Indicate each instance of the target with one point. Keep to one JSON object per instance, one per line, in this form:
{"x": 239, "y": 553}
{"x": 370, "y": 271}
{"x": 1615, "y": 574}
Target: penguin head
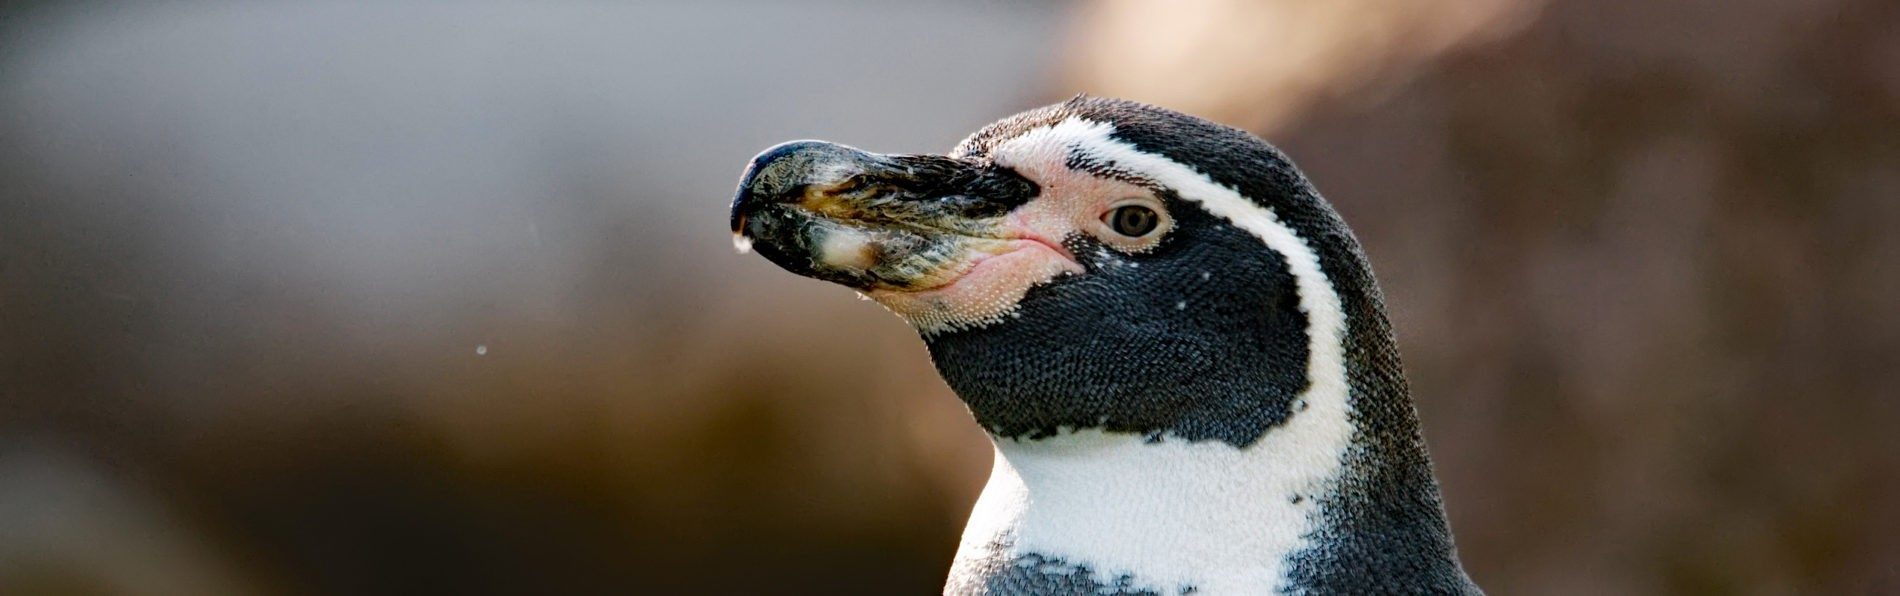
{"x": 1094, "y": 264}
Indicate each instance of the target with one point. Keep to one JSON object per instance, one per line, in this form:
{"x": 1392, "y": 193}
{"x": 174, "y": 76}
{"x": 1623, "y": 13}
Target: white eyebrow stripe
{"x": 1303, "y": 456}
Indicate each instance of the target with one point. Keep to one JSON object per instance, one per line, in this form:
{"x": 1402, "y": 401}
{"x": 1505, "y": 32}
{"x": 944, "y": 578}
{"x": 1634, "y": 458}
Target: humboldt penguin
{"x": 1176, "y": 345}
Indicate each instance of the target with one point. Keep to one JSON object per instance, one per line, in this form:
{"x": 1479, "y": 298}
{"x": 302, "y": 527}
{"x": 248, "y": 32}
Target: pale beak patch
{"x": 988, "y": 290}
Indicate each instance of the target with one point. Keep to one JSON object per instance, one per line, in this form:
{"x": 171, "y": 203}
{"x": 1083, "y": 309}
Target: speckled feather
{"x": 1382, "y": 529}
{"x": 1213, "y": 407}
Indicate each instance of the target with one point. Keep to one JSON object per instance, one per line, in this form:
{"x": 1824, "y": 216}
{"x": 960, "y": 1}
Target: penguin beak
{"x": 874, "y": 222}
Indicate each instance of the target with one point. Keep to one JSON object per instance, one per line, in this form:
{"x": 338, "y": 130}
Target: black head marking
{"x": 1201, "y": 338}
{"x": 1202, "y": 335}
{"x": 1382, "y": 529}
{"x": 1083, "y": 351}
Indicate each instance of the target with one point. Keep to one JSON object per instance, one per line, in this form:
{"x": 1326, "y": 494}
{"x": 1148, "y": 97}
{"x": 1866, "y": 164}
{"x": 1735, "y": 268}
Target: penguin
{"x": 1176, "y": 345}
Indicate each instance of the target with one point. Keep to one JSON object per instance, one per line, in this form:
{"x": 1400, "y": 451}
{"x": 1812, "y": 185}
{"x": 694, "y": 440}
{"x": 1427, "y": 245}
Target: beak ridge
{"x": 781, "y": 173}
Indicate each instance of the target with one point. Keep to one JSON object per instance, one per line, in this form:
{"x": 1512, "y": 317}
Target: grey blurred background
{"x": 399, "y": 297}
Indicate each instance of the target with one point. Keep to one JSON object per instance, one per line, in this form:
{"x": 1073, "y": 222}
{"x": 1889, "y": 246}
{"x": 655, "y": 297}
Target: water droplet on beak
{"x": 741, "y": 243}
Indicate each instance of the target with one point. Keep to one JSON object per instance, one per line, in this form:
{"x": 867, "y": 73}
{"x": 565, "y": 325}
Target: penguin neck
{"x": 1163, "y": 515}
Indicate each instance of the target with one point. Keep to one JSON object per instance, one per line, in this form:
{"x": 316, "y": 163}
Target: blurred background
{"x": 399, "y": 297}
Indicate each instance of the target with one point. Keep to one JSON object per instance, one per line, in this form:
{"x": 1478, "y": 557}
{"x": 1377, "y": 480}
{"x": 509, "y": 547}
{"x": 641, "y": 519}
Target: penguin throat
{"x": 1168, "y": 516}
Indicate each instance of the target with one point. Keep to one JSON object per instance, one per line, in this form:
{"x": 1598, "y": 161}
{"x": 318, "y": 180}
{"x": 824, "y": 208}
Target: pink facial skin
{"x": 995, "y": 279}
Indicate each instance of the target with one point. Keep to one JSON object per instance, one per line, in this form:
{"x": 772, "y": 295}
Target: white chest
{"x": 1171, "y": 515}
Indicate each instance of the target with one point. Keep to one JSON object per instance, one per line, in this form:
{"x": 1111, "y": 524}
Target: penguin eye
{"x": 1132, "y": 224}
{"x": 1133, "y": 221}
